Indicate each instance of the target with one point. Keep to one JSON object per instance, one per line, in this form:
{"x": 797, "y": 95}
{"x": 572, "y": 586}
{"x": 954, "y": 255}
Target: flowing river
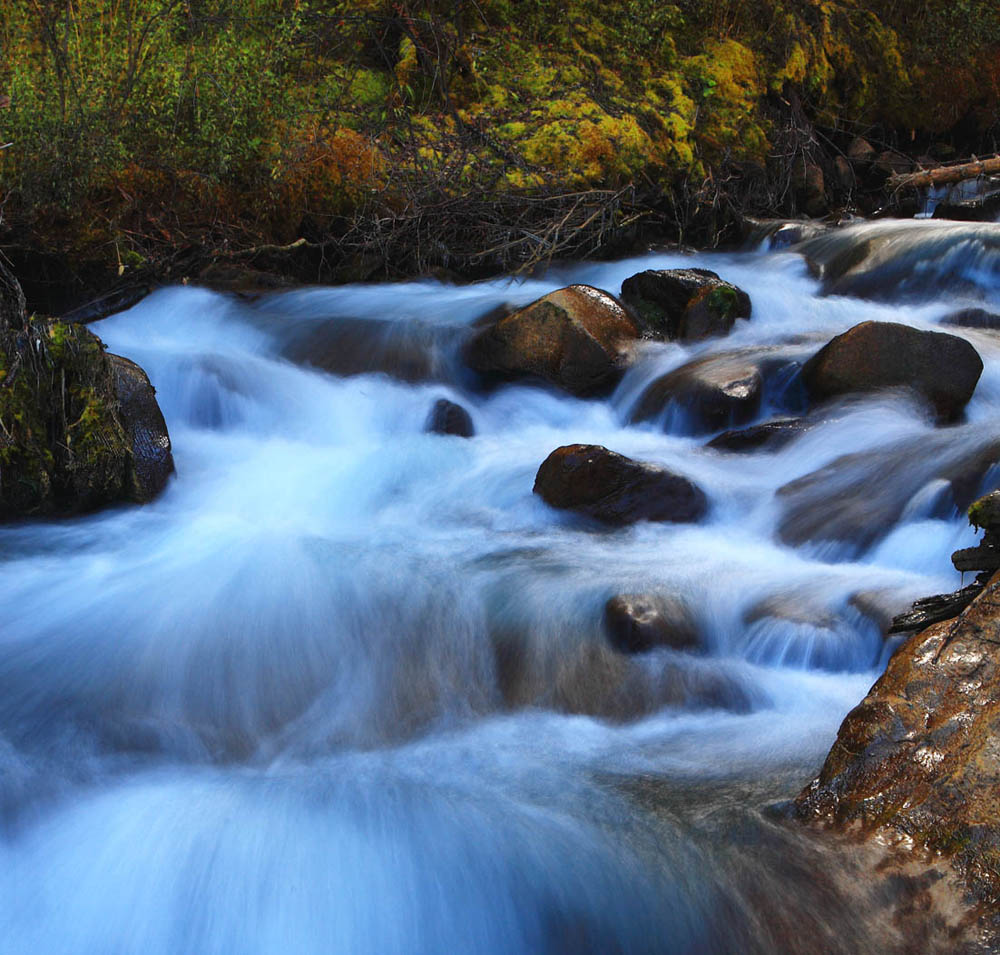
{"x": 345, "y": 687}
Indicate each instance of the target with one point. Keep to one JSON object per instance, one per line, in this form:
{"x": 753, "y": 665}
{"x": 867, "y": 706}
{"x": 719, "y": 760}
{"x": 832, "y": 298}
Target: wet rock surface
{"x": 635, "y": 623}
{"x": 919, "y": 756}
{"x": 614, "y": 489}
{"x": 576, "y": 338}
{"x": 685, "y": 304}
{"x": 942, "y": 368}
{"x": 446, "y": 417}
{"x": 973, "y": 318}
{"x": 858, "y": 498}
{"x": 717, "y": 392}
{"x": 766, "y": 436}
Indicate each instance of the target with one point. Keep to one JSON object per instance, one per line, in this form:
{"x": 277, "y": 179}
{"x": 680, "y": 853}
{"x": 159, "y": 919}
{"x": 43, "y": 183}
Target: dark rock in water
{"x": 81, "y": 429}
{"x": 717, "y": 392}
{"x": 942, "y": 368}
{"x": 592, "y": 480}
{"x": 685, "y": 304}
{"x": 446, "y": 417}
{"x": 918, "y": 758}
{"x": 858, "y": 498}
{"x": 636, "y": 623}
{"x": 150, "y": 463}
{"x": 116, "y": 301}
{"x": 973, "y": 318}
{"x": 576, "y": 338}
{"x": 409, "y": 351}
{"x": 878, "y": 606}
{"x": 931, "y": 610}
{"x": 767, "y": 436}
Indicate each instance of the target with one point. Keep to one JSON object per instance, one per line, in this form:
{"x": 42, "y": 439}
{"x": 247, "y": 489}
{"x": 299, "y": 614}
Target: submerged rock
{"x": 766, "y": 436}
{"x": 973, "y": 318}
{"x": 576, "y": 338}
{"x": 81, "y": 429}
{"x": 685, "y": 304}
{"x": 942, "y": 368}
{"x": 918, "y": 757}
{"x": 636, "y": 623}
{"x": 859, "y": 497}
{"x": 446, "y": 417}
{"x": 612, "y": 488}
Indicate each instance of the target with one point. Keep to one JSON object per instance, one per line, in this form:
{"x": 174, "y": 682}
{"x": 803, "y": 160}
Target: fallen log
{"x": 945, "y": 175}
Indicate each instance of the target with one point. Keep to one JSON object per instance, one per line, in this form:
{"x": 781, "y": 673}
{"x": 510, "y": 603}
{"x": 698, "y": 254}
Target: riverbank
{"x": 389, "y": 140}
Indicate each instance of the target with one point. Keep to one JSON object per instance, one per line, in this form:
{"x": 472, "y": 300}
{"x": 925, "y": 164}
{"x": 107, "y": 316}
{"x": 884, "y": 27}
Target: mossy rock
{"x": 77, "y": 430}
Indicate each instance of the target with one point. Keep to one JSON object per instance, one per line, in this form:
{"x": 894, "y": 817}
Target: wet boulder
{"x": 408, "y": 350}
{"x": 576, "y": 338}
{"x": 766, "y": 436}
{"x": 917, "y": 760}
{"x": 685, "y": 304}
{"x": 614, "y": 489}
{"x": 943, "y": 369}
{"x": 973, "y": 318}
{"x": 717, "y": 392}
{"x": 635, "y": 623}
{"x": 81, "y": 428}
{"x": 446, "y": 417}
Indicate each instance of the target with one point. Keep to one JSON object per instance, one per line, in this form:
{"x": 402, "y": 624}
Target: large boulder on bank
{"x": 612, "y": 488}
{"x": 941, "y": 368}
{"x": 81, "y": 429}
{"x": 576, "y": 338}
{"x": 918, "y": 759}
{"x": 685, "y": 304}
{"x": 635, "y": 623}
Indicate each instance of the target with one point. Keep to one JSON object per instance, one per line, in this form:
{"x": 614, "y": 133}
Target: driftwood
{"x": 935, "y": 609}
{"x": 946, "y": 175}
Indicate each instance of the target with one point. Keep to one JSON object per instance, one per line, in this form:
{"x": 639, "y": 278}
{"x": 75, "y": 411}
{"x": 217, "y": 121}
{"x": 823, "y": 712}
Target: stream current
{"x": 344, "y": 686}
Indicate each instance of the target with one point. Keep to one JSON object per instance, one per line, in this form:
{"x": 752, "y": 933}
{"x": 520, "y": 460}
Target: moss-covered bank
{"x": 397, "y": 135}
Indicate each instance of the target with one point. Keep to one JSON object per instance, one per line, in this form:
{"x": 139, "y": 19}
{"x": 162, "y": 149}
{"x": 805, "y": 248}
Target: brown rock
{"x": 845, "y": 174}
{"x": 685, "y": 304}
{"x": 592, "y": 480}
{"x": 942, "y": 368}
{"x": 919, "y": 756}
{"x": 767, "y": 436}
{"x": 636, "y": 623}
{"x": 861, "y": 153}
{"x": 721, "y": 391}
{"x": 576, "y": 338}
{"x": 810, "y": 189}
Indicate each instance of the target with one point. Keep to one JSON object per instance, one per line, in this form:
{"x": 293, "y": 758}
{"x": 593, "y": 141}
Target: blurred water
{"x": 344, "y": 686}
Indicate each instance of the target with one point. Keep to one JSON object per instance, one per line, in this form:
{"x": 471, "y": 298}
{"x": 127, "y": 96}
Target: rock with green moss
{"x": 79, "y": 429}
{"x": 685, "y": 304}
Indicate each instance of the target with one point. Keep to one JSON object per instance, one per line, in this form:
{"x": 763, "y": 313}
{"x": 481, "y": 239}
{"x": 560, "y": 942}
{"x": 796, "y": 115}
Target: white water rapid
{"x": 344, "y": 687}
